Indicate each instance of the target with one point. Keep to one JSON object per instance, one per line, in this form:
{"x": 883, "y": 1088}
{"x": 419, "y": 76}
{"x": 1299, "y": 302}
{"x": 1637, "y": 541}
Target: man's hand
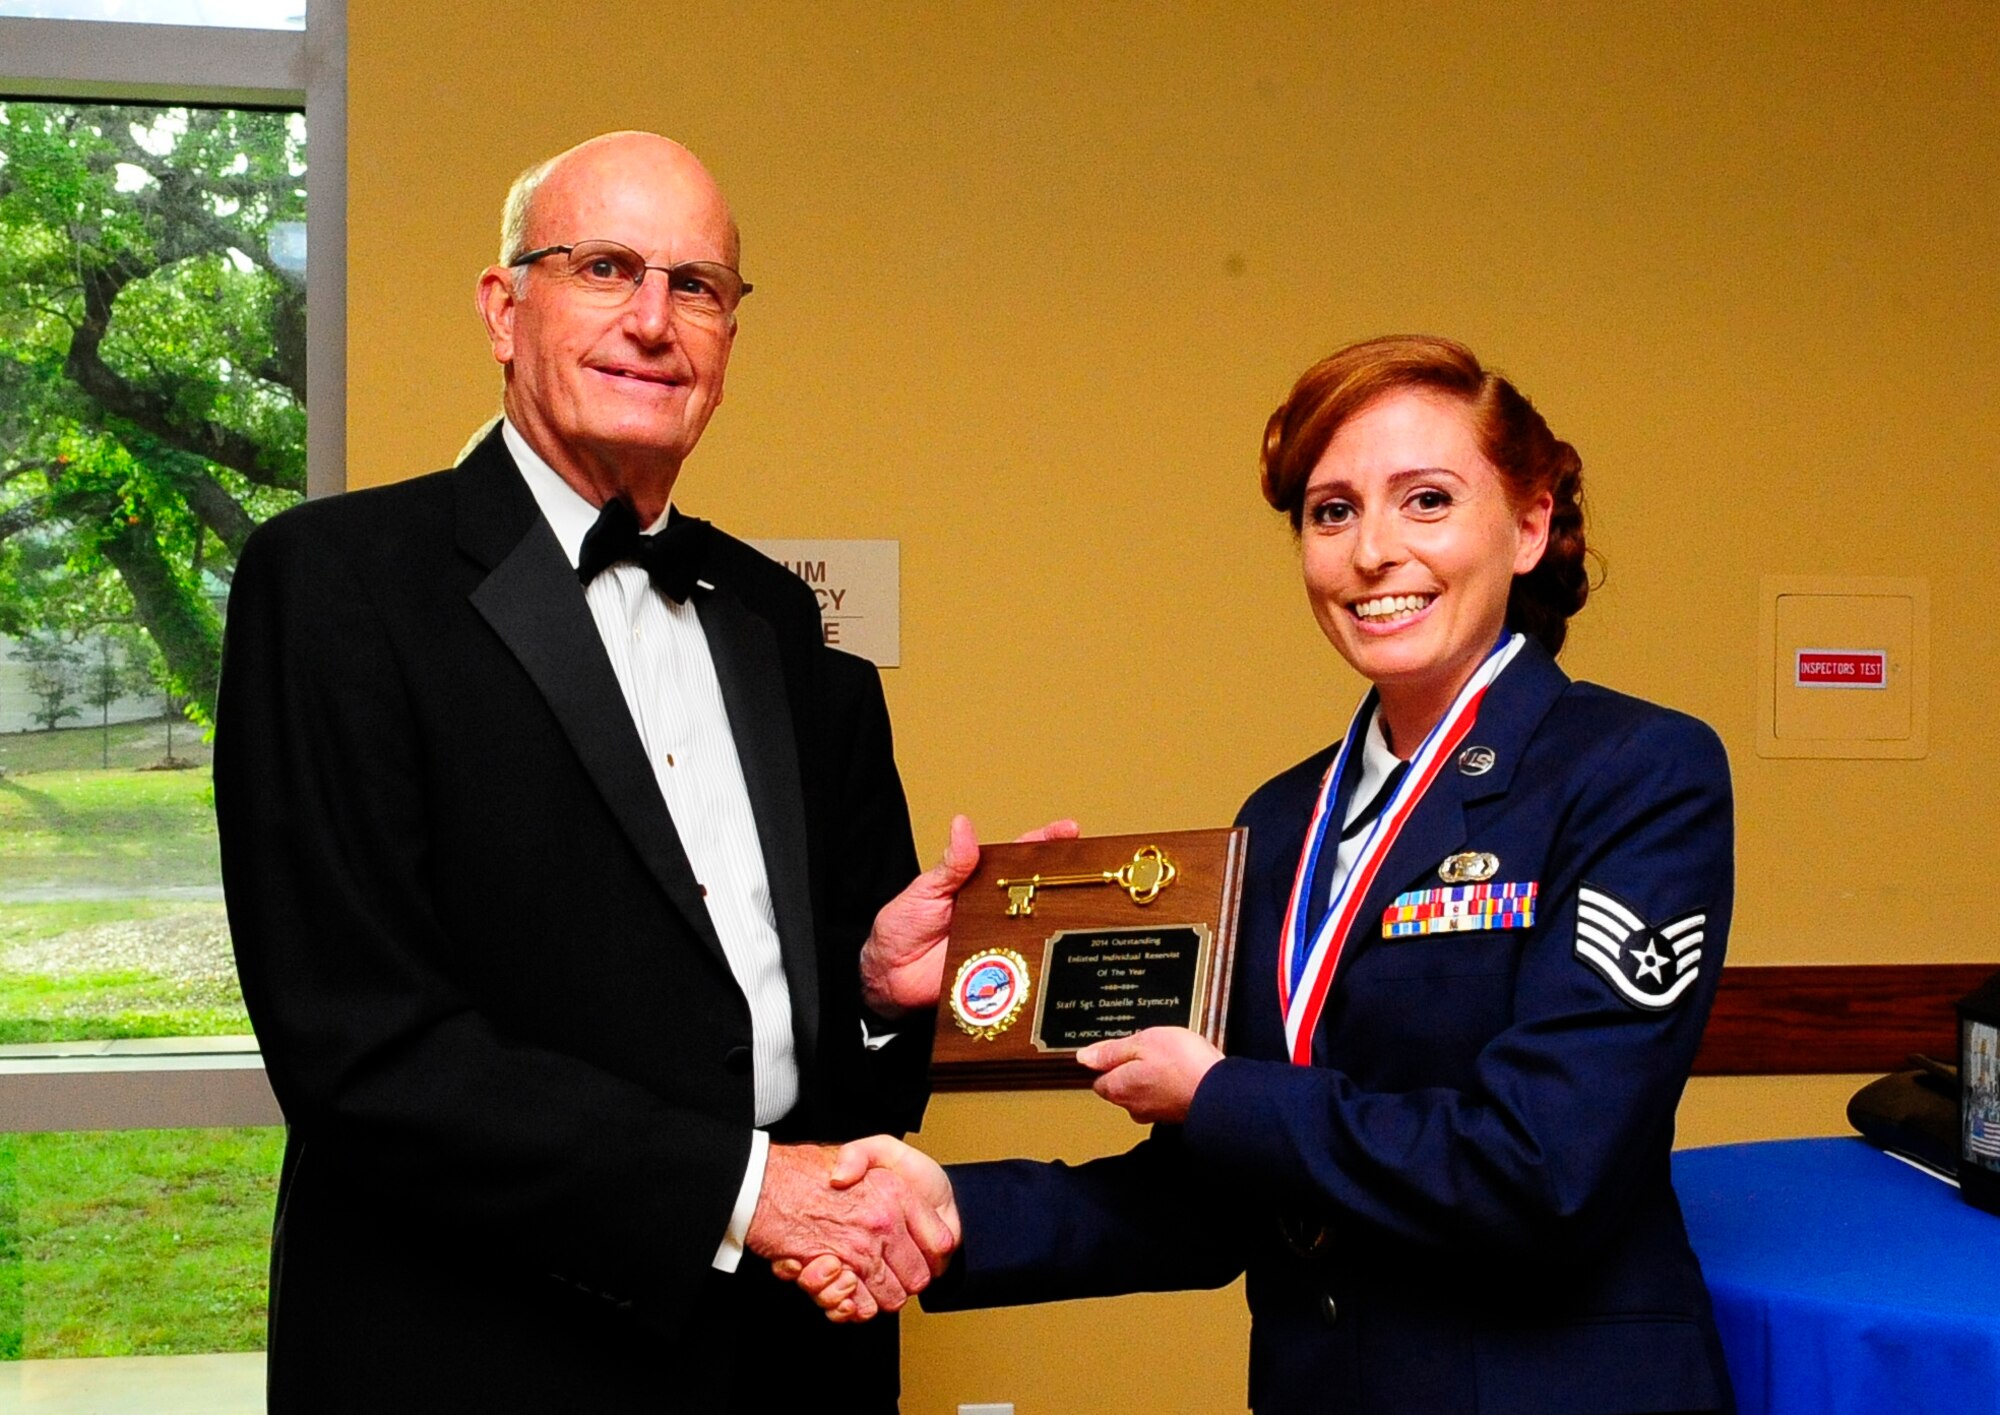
{"x": 1153, "y": 1073}
{"x": 902, "y": 964}
{"x": 892, "y": 1238}
{"x": 826, "y": 1279}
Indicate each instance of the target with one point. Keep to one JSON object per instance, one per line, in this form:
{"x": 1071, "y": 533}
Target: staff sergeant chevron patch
{"x": 1651, "y": 968}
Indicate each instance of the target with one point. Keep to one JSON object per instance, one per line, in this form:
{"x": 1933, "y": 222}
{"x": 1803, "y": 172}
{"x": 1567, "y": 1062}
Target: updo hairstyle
{"x": 1530, "y": 458}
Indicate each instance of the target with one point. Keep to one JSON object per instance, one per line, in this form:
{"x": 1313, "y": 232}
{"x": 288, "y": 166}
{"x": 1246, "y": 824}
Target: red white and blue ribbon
{"x": 1306, "y": 966}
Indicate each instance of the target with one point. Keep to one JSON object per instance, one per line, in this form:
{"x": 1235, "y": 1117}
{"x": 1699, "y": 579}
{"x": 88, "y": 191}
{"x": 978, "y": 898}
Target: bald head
{"x": 638, "y": 155}
{"x": 612, "y": 393}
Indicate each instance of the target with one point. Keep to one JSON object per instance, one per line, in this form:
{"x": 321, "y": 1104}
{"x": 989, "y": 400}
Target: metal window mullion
{"x": 325, "y": 68}
{"x": 105, "y": 59}
{"x": 160, "y": 1094}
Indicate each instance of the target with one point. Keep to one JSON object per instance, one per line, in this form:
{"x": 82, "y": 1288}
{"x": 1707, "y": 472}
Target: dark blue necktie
{"x": 1322, "y": 881}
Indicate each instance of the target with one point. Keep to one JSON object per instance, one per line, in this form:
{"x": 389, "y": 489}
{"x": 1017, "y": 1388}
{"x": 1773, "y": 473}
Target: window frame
{"x": 197, "y": 1082}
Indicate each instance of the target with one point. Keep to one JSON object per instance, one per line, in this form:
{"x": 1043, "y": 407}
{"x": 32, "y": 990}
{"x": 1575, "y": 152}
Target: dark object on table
{"x": 1912, "y": 1113}
{"x": 1979, "y": 1069}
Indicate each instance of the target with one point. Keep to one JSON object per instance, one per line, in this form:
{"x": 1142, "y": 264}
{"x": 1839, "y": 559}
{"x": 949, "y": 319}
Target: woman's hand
{"x": 1152, "y": 1074}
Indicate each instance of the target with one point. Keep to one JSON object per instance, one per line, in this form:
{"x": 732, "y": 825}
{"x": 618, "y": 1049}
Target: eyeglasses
{"x": 608, "y": 274}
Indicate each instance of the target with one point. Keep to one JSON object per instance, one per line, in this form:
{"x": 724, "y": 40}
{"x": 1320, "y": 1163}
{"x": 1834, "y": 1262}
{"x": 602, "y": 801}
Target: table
{"x": 1845, "y": 1282}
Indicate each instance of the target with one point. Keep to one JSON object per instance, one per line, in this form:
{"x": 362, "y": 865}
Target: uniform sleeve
{"x": 383, "y": 1065}
{"x": 1574, "y": 1098}
{"x": 1151, "y": 1220}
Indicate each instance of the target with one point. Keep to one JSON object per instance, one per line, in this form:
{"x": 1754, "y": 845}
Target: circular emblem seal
{"x": 1476, "y": 761}
{"x": 989, "y": 992}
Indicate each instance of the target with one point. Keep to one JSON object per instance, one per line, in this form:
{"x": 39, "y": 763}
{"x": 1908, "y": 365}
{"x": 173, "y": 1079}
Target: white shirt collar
{"x": 567, "y": 513}
{"x": 1377, "y": 752}
{"x": 1377, "y": 761}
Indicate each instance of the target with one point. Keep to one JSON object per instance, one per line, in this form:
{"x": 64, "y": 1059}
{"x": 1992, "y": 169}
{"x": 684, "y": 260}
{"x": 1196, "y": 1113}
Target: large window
{"x": 237, "y": 14}
{"x": 152, "y": 412}
{"x": 160, "y": 342}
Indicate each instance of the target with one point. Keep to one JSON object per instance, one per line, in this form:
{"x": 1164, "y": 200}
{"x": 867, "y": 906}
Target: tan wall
{"x": 1030, "y": 277}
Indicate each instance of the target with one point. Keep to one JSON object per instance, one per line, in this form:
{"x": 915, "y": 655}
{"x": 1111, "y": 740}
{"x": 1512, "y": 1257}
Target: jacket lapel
{"x": 1512, "y": 709}
{"x": 747, "y": 665}
{"x": 533, "y": 602}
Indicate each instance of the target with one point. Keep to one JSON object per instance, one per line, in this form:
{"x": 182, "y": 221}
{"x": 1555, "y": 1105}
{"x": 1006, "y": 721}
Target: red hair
{"x": 1513, "y": 436}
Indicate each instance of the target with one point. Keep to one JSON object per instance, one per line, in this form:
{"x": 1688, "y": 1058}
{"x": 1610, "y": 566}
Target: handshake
{"x": 860, "y": 1229}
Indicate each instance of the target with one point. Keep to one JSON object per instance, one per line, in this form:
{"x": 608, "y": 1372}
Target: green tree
{"x": 55, "y": 671}
{"x": 150, "y": 675}
{"x": 111, "y": 671}
{"x": 152, "y": 366}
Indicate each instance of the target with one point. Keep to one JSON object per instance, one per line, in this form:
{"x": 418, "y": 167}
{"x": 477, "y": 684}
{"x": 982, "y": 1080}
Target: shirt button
{"x": 704, "y": 890}
{"x": 670, "y": 758}
{"x": 1328, "y": 1309}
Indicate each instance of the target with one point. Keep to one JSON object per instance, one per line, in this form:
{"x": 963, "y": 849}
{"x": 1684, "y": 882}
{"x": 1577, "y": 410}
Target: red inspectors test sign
{"x": 1843, "y": 668}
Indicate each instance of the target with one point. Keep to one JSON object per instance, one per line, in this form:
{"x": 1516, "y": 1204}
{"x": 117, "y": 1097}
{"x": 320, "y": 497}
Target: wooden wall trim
{"x": 1835, "y": 1018}
{"x": 1832, "y": 1019}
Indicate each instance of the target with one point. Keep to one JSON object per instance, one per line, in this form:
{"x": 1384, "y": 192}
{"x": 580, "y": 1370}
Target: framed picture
{"x": 1979, "y": 1091}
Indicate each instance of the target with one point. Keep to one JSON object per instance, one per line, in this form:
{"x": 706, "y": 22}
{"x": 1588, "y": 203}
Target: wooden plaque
{"x": 1061, "y": 943}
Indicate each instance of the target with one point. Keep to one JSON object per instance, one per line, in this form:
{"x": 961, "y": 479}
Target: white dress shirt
{"x": 1377, "y": 761}
{"x": 660, "y": 656}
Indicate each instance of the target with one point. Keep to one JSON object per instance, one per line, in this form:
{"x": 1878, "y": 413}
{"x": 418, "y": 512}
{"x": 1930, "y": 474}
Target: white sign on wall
{"x": 859, "y": 587}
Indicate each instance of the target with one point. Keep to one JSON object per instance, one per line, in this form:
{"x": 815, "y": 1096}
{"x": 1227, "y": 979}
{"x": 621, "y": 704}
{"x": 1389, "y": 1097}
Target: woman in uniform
{"x": 1480, "y": 937}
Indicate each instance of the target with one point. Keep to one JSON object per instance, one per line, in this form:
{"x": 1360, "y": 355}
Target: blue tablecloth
{"x": 1845, "y": 1282}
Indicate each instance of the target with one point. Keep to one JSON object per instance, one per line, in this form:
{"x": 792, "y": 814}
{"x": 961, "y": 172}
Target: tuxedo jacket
{"x": 1463, "y": 1204}
{"x": 514, "y": 1063}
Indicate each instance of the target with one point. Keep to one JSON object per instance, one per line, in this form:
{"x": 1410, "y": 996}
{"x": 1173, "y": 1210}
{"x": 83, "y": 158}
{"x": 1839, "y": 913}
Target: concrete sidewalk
{"x": 229, "y": 1383}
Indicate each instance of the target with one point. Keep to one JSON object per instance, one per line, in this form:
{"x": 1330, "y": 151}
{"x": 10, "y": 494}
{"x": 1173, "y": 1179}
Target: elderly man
{"x": 563, "y": 864}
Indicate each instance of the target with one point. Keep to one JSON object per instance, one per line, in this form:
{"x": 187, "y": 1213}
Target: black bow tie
{"x": 672, "y": 558}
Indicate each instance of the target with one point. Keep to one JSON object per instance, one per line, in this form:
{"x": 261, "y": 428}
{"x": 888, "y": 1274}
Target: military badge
{"x": 1469, "y": 867}
{"x": 1466, "y": 908}
{"x": 1650, "y": 967}
{"x": 989, "y": 992}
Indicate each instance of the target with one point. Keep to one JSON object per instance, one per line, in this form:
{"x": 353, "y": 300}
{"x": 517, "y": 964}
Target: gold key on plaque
{"x": 1142, "y": 877}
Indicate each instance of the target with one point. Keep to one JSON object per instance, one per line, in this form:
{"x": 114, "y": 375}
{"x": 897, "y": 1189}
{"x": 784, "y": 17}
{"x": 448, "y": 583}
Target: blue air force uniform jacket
{"x": 1463, "y": 1205}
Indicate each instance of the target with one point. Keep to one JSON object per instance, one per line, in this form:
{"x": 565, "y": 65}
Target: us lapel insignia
{"x": 1469, "y": 867}
{"x": 1651, "y": 968}
{"x": 1464, "y": 908}
{"x": 1477, "y": 761}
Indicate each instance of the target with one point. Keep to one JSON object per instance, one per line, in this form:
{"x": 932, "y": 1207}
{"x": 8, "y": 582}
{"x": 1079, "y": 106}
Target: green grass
{"x": 108, "y": 1006}
{"x": 135, "y": 1243}
{"x": 27, "y": 923}
{"x": 10, "y": 1250}
{"x": 80, "y": 831}
{"x": 36, "y": 1007}
{"x": 133, "y": 745}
